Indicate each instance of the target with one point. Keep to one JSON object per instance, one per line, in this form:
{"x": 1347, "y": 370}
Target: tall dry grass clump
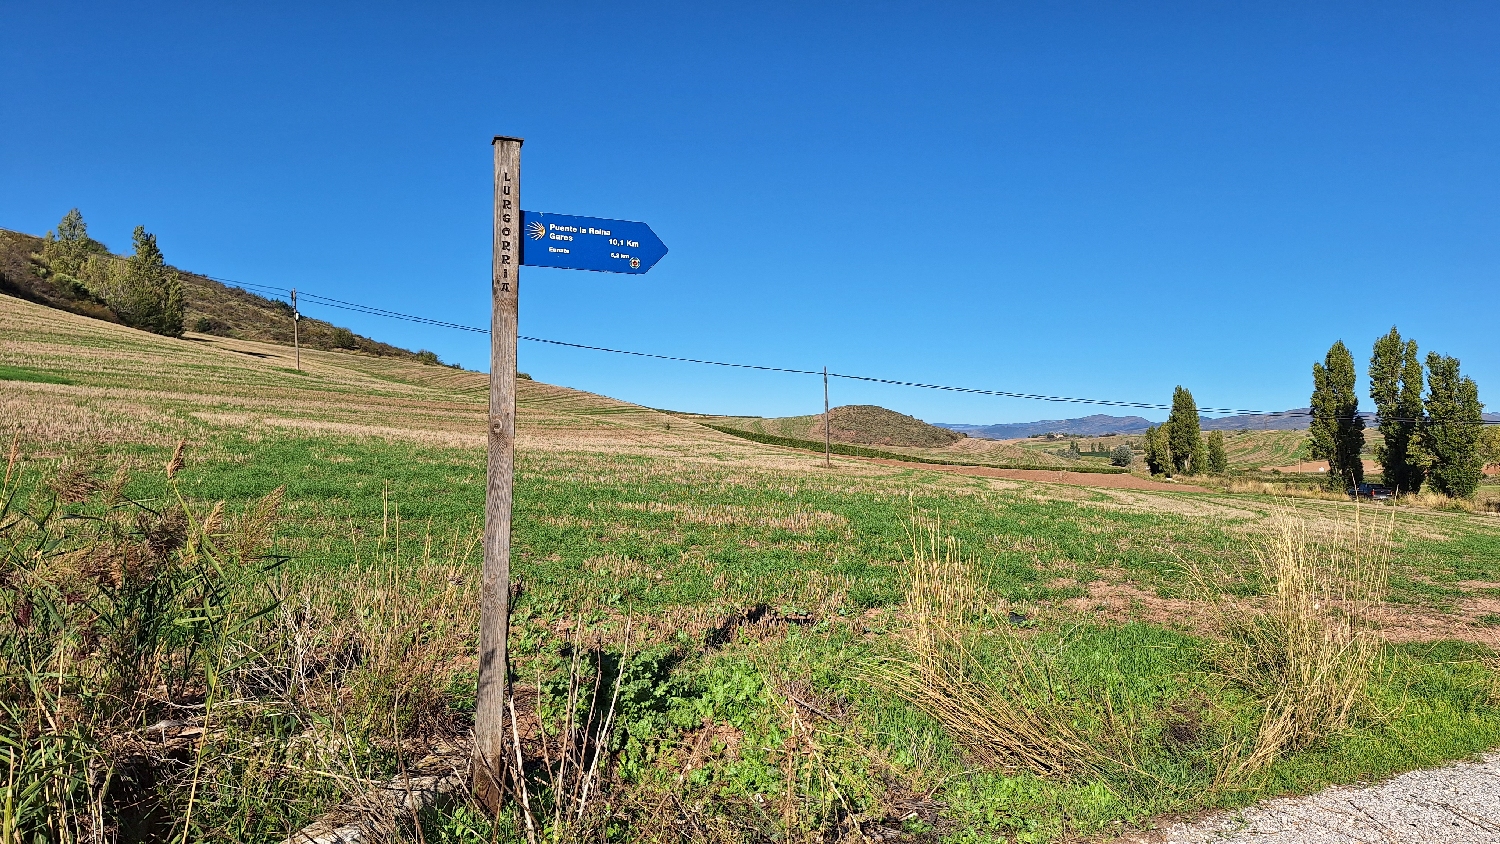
{"x": 1279, "y": 489}
{"x": 1309, "y": 652}
{"x": 159, "y": 681}
{"x": 115, "y": 615}
{"x": 1433, "y": 500}
{"x": 1002, "y": 710}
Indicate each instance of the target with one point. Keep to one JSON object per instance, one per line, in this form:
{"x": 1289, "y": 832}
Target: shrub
{"x": 343, "y": 338}
{"x": 429, "y": 358}
{"x": 1122, "y": 456}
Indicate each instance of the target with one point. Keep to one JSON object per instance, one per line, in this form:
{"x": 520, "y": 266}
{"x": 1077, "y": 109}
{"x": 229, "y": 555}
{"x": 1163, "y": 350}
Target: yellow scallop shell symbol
{"x": 538, "y": 231}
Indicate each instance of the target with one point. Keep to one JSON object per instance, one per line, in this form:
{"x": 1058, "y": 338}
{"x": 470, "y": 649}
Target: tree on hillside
{"x": 1396, "y": 389}
{"x": 1338, "y": 431}
{"x": 1184, "y": 434}
{"x": 67, "y": 254}
{"x": 1218, "y": 461}
{"x": 1450, "y": 436}
{"x": 1158, "y": 451}
{"x": 146, "y": 293}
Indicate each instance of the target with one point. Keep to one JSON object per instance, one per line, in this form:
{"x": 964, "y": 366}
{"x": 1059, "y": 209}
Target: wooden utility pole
{"x": 494, "y": 580}
{"x": 296, "y": 317}
{"x": 827, "y": 440}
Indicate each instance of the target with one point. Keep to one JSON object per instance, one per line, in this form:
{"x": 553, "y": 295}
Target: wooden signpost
{"x": 494, "y": 579}
{"x": 568, "y": 242}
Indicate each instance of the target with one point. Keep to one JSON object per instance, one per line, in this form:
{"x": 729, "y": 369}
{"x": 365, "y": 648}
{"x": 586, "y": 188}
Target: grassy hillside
{"x": 212, "y": 307}
{"x": 893, "y": 433}
{"x": 762, "y": 617}
{"x": 1245, "y": 449}
{"x": 1255, "y": 449}
{"x": 857, "y": 424}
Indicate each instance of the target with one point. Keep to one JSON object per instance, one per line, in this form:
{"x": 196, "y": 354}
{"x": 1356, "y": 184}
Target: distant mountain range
{"x": 1086, "y": 426}
{"x": 1101, "y": 424}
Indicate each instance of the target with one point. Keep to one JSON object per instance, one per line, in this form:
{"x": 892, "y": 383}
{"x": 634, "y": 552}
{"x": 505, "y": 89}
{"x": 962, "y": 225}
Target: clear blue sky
{"x": 1093, "y": 199}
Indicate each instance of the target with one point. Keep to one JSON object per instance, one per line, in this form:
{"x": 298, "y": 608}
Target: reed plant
{"x": 1308, "y": 651}
{"x": 1005, "y": 711}
{"x": 114, "y": 614}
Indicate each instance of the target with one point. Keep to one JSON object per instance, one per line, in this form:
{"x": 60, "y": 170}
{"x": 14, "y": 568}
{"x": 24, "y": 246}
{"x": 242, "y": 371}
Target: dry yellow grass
{"x": 131, "y": 386}
{"x": 1310, "y": 649}
{"x": 1010, "y": 720}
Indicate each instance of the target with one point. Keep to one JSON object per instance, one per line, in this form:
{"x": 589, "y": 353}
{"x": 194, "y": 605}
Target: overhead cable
{"x": 421, "y": 320}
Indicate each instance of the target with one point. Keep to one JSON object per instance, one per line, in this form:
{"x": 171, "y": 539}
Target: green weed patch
{"x": 16, "y": 373}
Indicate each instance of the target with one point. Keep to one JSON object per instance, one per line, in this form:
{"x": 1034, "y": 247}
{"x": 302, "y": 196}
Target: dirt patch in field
{"x": 1127, "y": 602}
{"x": 1120, "y": 601}
{"x": 1098, "y": 479}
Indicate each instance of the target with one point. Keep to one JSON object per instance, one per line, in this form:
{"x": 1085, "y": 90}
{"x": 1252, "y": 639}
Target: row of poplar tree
{"x": 1178, "y": 447}
{"x": 1437, "y": 438}
{"x": 141, "y": 290}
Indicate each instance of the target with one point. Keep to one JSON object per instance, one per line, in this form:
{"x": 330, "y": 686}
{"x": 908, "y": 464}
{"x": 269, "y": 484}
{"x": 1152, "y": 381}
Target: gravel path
{"x": 1459, "y": 804}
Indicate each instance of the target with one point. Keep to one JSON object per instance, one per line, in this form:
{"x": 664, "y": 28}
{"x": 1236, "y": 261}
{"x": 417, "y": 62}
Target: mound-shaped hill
{"x": 212, "y": 307}
{"x": 855, "y": 424}
{"x": 869, "y": 424}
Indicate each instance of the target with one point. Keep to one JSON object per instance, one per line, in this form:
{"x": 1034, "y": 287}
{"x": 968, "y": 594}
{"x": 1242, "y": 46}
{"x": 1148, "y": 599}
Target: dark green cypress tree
{"x": 1396, "y": 388}
{"x": 1338, "y": 431}
{"x": 1218, "y": 461}
{"x": 1451, "y": 434}
{"x": 1184, "y": 434}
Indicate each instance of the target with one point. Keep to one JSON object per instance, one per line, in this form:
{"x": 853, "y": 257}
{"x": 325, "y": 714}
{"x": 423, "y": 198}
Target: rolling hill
{"x": 894, "y": 433}
{"x": 213, "y": 308}
{"x": 857, "y": 424}
{"x": 1101, "y": 425}
{"x": 1097, "y": 425}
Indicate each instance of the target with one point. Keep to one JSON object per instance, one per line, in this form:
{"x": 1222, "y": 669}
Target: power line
{"x": 421, "y": 320}
{"x": 670, "y": 357}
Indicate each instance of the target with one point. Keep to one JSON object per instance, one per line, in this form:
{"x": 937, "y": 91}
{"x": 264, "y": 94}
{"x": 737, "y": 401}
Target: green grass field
{"x": 743, "y": 599}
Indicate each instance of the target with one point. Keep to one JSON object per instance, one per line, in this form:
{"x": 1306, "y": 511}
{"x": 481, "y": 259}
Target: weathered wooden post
{"x": 827, "y": 441}
{"x": 296, "y": 317}
{"x": 494, "y": 582}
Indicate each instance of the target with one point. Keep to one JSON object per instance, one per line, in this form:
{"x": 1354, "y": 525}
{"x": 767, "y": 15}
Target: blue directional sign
{"x": 588, "y": 243}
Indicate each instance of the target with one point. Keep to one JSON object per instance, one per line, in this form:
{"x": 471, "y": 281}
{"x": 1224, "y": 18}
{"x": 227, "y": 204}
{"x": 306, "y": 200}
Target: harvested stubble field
{"x": 742, "y": 623}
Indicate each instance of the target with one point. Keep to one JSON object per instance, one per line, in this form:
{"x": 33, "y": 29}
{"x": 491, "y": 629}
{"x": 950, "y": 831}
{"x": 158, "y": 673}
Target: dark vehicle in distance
{"x": 1374, "y": 492}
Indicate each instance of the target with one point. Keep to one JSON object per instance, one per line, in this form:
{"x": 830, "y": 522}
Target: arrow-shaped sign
{"x": 588, "y": 243}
